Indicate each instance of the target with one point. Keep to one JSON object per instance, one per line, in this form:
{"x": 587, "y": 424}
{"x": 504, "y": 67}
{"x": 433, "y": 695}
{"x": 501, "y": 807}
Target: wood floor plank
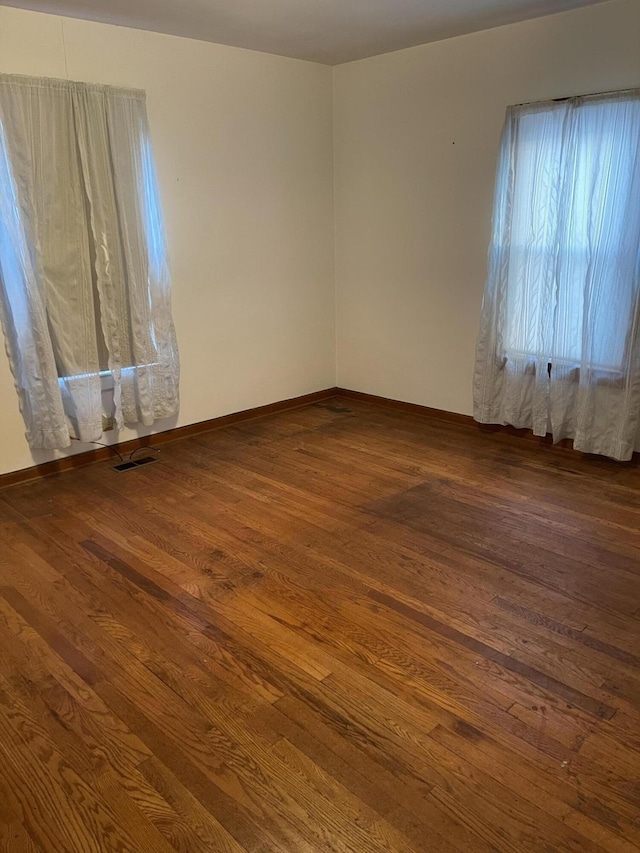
{"x": 60, "y": 811}
{"x": 597, "y": 709}
{"x": 341, "y": 628}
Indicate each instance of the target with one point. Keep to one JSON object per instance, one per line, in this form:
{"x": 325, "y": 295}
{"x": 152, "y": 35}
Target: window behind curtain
{"x": 84, "y": 275}
{"x": 559, "y": 343}
{"x": 557, "y": 249}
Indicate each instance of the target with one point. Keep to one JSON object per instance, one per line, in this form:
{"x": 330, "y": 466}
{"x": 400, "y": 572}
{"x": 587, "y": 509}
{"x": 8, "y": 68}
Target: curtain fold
{"x": 559, "y": 344}
{"x": 83, "y": 261}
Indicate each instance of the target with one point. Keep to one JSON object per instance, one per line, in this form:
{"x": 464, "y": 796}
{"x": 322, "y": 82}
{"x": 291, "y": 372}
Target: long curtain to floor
{"x": 83, "y": 260}
{"x": 559, "y": 344}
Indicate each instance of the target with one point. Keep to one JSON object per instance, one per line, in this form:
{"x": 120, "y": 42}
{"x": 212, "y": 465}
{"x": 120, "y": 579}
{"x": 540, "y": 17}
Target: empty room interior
{"x": 319, "y": 426}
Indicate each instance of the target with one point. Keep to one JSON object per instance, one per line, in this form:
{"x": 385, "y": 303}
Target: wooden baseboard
{"x": 79, "y": 460}
{"x": 399, "y": 405}
{"x": 467, "y": 420}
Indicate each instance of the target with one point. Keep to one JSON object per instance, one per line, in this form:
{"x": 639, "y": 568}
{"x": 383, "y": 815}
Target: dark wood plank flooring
{"x": 341, "y": 628}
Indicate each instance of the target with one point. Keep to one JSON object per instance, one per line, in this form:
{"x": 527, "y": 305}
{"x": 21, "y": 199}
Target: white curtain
{"x": 559, "y": 343}
{"x": 83, "y": 261}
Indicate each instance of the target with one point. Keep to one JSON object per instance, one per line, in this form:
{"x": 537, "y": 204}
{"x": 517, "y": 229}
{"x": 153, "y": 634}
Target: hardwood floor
{"x": 341, "y": 628}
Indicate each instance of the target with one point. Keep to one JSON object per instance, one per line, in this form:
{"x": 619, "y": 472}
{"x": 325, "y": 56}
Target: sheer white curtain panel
{"x": 83, "y": 260}
{"x": 559, "y": 343}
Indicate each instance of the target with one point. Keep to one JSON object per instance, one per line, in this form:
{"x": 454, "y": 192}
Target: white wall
{"x": 243, "y": 142}
{"x": 415, "y": 144}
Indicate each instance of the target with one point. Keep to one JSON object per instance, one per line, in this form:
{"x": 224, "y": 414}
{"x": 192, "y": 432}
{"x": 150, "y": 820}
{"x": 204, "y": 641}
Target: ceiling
{"x": 327, "y": 31}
